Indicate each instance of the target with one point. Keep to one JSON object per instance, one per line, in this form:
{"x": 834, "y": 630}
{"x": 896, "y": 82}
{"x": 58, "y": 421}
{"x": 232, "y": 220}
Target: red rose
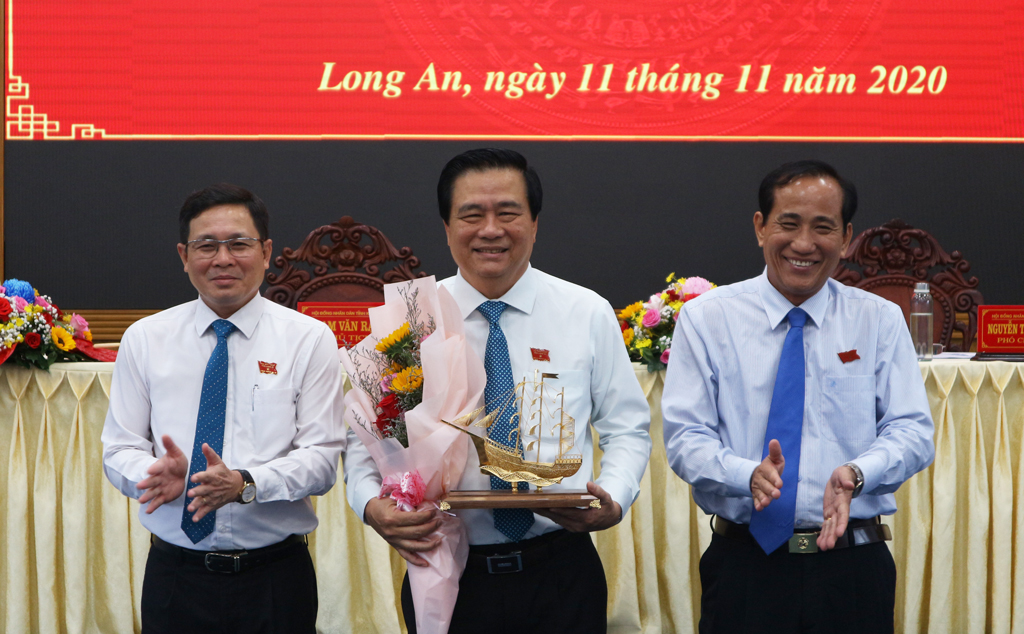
{"x": 389, "y": 406}
{"x": 33, "y": 340}
{"x": 624, "y": 326}
{"x": 673, "y": 295}
{"x": 5, "y": 308}
{"x": 48, "y": 318}
{"x": 389, "y": 410}
{"x": 687, "y": 297}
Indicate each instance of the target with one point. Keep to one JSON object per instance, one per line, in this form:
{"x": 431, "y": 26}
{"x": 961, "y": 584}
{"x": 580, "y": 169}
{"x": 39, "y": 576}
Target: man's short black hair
{"x": 223, "y": 194}
{"x": 786, "y": 174}
{"x": 485, "y": 159}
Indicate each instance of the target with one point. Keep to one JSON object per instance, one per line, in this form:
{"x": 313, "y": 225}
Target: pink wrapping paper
{"x": 453, "y": 385}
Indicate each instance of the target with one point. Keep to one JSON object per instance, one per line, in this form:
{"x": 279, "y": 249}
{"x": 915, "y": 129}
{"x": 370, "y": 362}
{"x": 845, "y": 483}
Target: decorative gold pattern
{"x": 23, "y": 122}
{"x": 595, "y": 504}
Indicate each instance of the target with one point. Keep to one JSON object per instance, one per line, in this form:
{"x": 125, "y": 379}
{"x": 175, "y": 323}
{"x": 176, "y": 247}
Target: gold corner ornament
{"x": 595, "y": 504}
{"x": 444, "y": 506}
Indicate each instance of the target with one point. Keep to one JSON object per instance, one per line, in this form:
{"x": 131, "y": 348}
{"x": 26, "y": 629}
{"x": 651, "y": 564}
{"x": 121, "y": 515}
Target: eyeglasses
{"x": 238, "y": 247}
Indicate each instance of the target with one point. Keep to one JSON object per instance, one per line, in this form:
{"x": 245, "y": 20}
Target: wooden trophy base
{"x": 532, "y": 499}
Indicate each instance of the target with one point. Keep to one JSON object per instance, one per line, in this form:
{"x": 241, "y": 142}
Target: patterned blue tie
{"x": 513, "y": 523}
{"x": 773, "y": 526}
{"x": 209, "y": 426}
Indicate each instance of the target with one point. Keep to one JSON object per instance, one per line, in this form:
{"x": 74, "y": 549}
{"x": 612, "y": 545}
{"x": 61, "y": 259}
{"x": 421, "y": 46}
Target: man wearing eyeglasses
{"x": 225, "y": 416}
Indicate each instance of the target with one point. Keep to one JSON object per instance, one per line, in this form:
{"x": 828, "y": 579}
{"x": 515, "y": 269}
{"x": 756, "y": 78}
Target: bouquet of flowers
{"x": 414, "y": 370}
{"x": 35, "y": 333}
{"x": 647, "y": 326}
{"x": 393, "y": 372}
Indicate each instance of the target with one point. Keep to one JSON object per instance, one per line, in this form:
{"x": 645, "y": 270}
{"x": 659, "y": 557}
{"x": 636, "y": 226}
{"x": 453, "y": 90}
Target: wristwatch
{"x": 248, "y": 492}
{"x": 858, "y": 478}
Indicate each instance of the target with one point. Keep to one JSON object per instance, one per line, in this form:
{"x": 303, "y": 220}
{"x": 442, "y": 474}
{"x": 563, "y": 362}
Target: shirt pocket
{"x": 273, "y": 420}
{"x": 848, "y": 409}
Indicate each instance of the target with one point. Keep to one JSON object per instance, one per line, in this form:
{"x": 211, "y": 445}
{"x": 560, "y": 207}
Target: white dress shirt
{"x": 286, "y": 428}
{"x": 871, "y": 411}
{"x": 579, "y": 330}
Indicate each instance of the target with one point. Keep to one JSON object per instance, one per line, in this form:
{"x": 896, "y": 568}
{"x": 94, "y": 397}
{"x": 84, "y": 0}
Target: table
{"x": 74, "y": 552}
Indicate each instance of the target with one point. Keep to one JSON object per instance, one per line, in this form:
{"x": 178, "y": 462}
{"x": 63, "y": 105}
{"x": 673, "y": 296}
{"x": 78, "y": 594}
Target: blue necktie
{"x": 209, "y": 426}
{"x": 513, "y": 523}
{"x": 773, "y": 526}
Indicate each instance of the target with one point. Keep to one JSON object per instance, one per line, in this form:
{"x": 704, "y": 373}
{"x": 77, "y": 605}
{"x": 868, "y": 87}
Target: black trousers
{"x": 565, "y": 592}
{"x": 277, "y": 597}
{"x": 846, "y": 590}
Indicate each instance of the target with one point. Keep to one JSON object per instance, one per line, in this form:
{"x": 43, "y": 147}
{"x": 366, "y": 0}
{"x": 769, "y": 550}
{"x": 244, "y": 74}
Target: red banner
{"x": 913, "y": 70}
{"x": 349, "y": 321}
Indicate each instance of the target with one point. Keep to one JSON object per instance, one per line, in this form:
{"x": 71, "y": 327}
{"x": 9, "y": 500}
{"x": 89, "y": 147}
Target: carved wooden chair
{"x": 889, "y": 260}
{"x": 349, "y": 262}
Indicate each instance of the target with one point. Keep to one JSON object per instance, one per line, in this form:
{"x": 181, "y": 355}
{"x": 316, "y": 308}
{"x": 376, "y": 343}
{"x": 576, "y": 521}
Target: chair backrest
{"x": 347, "y": 261}
{"x": 889, "y": 260}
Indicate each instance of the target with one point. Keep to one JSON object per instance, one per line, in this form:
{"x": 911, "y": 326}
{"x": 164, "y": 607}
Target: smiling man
{"x": 527, "y": 572}
{"x": 794, "y": 406}
{"x": 225, "y": 416}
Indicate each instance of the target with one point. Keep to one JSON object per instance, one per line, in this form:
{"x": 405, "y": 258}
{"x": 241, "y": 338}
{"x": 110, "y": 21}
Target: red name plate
{"x": 349, "y": 321}
{"x": 866, "y": 70}
{"x": 1001, "y": 329}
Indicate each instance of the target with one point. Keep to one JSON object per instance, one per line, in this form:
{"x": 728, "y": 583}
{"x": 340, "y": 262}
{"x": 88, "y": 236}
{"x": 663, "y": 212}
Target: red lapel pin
{"x": 849, "y": 355}
{"x": 540, "y": 355}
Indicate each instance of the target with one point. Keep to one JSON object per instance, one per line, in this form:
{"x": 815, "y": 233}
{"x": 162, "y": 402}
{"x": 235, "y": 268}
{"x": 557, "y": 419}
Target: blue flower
{"x": 18, "y": 288}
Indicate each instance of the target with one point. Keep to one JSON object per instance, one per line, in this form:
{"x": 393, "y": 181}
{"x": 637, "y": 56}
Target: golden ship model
{"x": 534, "y": 413}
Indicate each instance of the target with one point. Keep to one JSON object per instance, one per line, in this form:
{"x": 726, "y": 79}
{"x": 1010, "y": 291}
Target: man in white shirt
{"x": 225, "y": 416}
{"x": 794, "y": 405}
{"x": 529, "y": 572}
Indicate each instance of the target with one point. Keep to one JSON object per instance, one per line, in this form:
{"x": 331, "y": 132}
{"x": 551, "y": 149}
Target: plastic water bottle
{"x": 921, "y": 331}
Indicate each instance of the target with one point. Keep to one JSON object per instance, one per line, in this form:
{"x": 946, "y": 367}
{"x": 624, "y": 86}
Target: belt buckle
{"x": 504, "y": 564}
{"x": 218, "y": 562}
{"x": 803, "y": 543}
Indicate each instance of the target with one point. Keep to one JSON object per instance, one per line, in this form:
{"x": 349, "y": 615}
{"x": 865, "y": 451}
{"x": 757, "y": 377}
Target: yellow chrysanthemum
{"x": 393, "y": 338}
{"x": 88, "y": 335}
{"x": 671, "y": 276}
{"x": 627, "y": 336}
{"x": 62, "y": 339}
{"x": 645, "y": 343}
{"x": 630, "y": 311}
{"x": 408, "y": 380}
{"x": 676, "y": 305}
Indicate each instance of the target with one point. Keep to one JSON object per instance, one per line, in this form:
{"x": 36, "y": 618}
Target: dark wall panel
{"x": 94, "y": 224}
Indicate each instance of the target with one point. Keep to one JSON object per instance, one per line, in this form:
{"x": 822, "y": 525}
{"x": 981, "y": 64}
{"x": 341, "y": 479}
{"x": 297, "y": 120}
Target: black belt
{"x": 499, "y": 559}
{"x": 232, "y": 561}
{"x": 804, "y": 540}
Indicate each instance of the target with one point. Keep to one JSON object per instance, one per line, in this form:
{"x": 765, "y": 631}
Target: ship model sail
{"x": 537, "y": 412}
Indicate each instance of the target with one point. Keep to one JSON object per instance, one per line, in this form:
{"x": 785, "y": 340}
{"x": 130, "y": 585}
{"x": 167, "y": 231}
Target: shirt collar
{"x": 521, "y": 296}
{"x": 777, "y": 306}
{"x": 245, "y": 318}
